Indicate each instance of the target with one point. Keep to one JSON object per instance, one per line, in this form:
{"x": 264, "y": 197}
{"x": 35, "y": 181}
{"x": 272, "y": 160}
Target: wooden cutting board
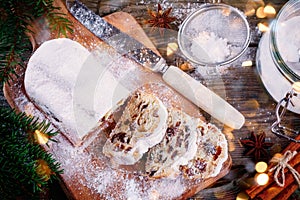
{"x": 86, "y": 175}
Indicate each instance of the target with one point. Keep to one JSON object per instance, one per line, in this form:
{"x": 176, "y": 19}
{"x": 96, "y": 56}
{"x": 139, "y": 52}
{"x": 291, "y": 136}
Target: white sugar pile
{"x": 210, "y": 48}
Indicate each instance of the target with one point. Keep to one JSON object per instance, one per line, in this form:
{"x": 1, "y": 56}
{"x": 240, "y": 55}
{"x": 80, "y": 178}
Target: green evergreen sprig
{"x": 16, "y": 17}
{"x": 25, "y": 167}
{"x": 20, "y": 156}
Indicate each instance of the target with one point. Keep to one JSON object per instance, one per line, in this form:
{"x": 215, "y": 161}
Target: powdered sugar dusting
{"x": 132, "y": 190}
{"x": 88, "y": 173}
{"x": 175, "y": 189}
{"x": 109, "y": 183}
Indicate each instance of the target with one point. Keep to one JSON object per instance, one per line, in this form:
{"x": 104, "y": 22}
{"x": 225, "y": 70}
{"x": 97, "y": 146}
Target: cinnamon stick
{"x": 267, "y": 190}
{"x": 273, "y": 190}
{"x": 288, "y": 191}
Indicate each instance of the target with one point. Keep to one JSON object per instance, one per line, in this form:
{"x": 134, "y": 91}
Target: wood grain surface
{"x": 243, "y": 89}
{"x": 75, "y": 181}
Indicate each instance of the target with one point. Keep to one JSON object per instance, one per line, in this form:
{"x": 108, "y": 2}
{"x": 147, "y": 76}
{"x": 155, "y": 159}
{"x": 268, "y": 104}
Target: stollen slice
{"x": 211, "y": 153}
{"x": 177, "y": 148}
{"x": 191, "y": 147}
{"x": 141, "y": 126}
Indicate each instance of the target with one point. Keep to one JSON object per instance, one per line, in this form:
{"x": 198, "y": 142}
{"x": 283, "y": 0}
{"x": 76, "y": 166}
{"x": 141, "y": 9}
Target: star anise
{"x": 256, "y": 146}
{"x": 160, "y": 19}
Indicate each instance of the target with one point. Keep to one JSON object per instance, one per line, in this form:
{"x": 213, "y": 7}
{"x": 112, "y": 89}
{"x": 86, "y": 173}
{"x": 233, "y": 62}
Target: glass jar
{"x": 278, "y": 55}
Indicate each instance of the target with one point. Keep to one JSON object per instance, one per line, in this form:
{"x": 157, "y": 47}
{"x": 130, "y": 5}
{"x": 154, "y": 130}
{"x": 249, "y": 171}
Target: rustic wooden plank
{"x": 88, "y": 164}
{"x": 244, "y": 89}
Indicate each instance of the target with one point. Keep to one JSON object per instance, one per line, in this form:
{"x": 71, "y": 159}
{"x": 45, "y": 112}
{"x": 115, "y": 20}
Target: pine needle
{"x": 15, "y": 20}
{"x": 20, "y": 155}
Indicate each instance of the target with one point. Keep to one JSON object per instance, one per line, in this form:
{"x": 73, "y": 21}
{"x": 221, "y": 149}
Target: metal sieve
{"x": 215, "y": 34}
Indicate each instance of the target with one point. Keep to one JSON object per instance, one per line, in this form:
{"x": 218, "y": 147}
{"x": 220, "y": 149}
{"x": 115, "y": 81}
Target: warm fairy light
{"x": 260, "y": 12}
{"x": 242, "y": 196}
{"x": 263, "y": 27}
{"x": 40, "y": 137}
{"x": 296, "y": 87}
{"x": 186, "y": 66}
{"x": 171, "y": 48}
{"x": 277, "y": 156}
{"x": 247, "y": 63}
{"x": 43, "y": 169}
{"x": 252, "y": 5}
{"x": 270, "y": 11}
{"x": 262, "y": 179}
{"x": 261, "y": 167}
{"x": 249, "y": 12}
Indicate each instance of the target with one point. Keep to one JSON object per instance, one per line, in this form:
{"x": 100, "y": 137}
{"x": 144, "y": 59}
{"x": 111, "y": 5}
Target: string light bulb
{"x": 40, "y": 137}
{"x": 261, "y": 167}
{"x": 262, "y": 179}
{"x": 269, "y": 11}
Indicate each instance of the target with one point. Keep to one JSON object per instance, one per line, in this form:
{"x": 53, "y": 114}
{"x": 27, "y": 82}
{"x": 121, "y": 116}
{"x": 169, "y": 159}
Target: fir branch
{"x": 15, "y": 20}
{"x": 20, "y": 156}
{"x": 59, "y": 23}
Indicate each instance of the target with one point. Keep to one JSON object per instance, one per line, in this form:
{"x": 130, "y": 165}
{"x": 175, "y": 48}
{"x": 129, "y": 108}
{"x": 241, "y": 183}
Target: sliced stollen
{"x": 191, "y": 147}
{"x": 141, "y": 126}
{"x": 212, "y": 152}
{"x": 177, "y": 148}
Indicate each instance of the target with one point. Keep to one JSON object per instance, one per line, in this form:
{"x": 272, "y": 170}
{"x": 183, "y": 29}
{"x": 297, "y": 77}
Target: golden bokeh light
{"x": 261, "y": 167}
{"x": 247, "y": 63}
{"x": 228, "y": 132}
{"x": 251, "y": 6}
{"x": 186, "y": 66}
{"x": 254, "y": 4}
{"x": 270, "y": 11}
{"x": 278, "y": 156}
{"x": 43, "y": 169}
{"x": 263, "y": 27}
{"x": 296, "y": 86}
{"x": 262, "y": 179}
{"x": 242, "y": 196}
{"x": 172, "y": 48}
{"x": 260, "y": 12}
{"x": 40, "y": 137}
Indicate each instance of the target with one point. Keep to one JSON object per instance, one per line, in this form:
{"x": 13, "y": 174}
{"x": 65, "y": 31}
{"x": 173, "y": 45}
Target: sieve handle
{"x": 203, "y": 97}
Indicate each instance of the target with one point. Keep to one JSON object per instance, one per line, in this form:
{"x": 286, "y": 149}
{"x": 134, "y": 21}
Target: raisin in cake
{"x": 211, "y": 153}
{"x": 190, "y": 147}
{"x": 177, "y": 147}
{"x": 141, "y": 126}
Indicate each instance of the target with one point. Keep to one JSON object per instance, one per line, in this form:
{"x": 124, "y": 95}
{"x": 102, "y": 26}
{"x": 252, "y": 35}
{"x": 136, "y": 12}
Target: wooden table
{"x": 243, "y": 89}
